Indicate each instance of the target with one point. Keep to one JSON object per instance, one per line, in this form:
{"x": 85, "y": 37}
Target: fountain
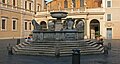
{"x": 59, "y": 33}
{"x": 58, "y": 41}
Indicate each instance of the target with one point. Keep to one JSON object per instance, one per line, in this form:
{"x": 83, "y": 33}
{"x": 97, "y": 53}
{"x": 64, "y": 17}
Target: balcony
{"x": 73, "y": 11}
{"x": 95, "y": 10}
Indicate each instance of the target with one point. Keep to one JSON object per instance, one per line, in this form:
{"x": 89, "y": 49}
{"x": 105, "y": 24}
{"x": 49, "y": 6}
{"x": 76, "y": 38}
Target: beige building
{"x": 103, "y": 20}
{"x": 16, "y": 16}
{"x": 111, "y": 19}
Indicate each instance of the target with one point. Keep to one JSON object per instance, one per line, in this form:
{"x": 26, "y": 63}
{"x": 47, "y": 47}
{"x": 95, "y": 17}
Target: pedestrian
{"x": 9, "y": 49}
{"x": 105, "y": 49}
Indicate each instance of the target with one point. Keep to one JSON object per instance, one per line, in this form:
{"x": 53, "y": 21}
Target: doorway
{"x": 109, "y": 33}
{"x": 94, "y": 28}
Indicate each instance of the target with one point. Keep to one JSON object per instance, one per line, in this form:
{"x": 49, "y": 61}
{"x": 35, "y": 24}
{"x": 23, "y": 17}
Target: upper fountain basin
{"x": 58, "y": 14}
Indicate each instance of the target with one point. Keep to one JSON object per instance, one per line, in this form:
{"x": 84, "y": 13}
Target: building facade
{"x": 75, "y": 4}
{"x": 111, "y": 19}
{"x": 16, "y": 16}
{"x": 100, "y": 17}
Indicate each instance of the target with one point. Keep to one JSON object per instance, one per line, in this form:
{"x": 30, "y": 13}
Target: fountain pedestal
{"x": 58, "y": 25}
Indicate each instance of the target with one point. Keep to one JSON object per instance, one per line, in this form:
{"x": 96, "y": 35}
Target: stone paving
{"x": 112, "y": 58}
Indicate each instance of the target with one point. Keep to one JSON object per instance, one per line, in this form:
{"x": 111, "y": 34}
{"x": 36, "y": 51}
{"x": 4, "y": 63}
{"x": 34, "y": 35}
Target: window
{"x": 25, "y": 4}
{"x": 3, "y": 1}
{"x": 29, "y": 26}
{"x": 73, "y": 3}
{"x": 3, "y": 24}
{"x": 38, "y": 8}
{"x": 14, "y": 2}
{"x": 14, "y": 25}
{"x": 108, "y": 3}
{"x": 65, "y": 4}
{"x": 108, "y": 17}
{"x": 25, "y": 25}
{"x": 30, "y": 6}
{"x": 81, "y": 3}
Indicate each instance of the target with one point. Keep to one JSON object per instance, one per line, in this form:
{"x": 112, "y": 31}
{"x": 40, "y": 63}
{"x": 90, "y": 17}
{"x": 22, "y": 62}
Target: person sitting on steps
{"x": 100, "y": 41}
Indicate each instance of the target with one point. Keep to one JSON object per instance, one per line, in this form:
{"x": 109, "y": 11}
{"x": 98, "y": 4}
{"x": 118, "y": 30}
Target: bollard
{"x": 18, "y": 41}
{"x": 76, "y": 56}
{"x": 105, "y": 50}
{"x": 9, "y": 48}
{"x": 109, "y": 46}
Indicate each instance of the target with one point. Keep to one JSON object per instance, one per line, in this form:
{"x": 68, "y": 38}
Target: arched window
{"x": 43, "y": 24}
{"x": 65, "y": 4}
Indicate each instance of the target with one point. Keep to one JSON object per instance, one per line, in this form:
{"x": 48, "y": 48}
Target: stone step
{"x": 57, "y": 46}
{"x": 92, "y": 43}
{"x": 65, "y": 48}
{"x": 52, "y": 49}
{"x": 62, "y": 41}
{"x": 53, "y": 53}
{"x": 34, "y": 53}
{"x": 56, "y": 43}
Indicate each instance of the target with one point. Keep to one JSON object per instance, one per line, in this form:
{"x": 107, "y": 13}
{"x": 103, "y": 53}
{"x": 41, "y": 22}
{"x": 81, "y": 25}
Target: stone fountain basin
{"x": 58, "y": 14}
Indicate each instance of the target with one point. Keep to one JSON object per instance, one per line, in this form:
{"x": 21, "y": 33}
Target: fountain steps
{"x": 44, "y": 46}
{"x": 52, "y": 47}
{"x": 49, "y": 49}
{"x": 66, "y": 53}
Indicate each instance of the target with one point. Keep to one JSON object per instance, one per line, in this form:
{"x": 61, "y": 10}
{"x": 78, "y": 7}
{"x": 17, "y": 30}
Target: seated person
{"x": 28, "y": 40}
{"x": 100, "y": 41}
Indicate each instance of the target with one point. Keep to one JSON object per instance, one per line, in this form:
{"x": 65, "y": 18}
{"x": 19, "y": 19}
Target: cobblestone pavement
{"x": 112, "y": 58}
